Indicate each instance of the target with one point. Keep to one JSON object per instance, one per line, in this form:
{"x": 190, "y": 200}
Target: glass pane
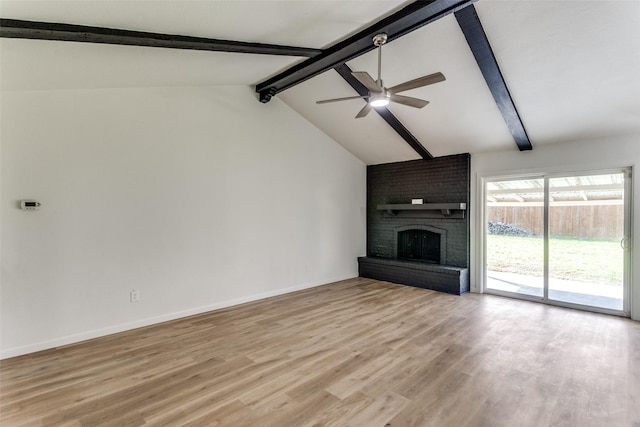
{"x": 515, "y": 236}
{"x": 586, "y": 226}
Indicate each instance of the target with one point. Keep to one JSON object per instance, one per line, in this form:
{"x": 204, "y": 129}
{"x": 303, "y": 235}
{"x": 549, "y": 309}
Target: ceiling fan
{"x": 380, "y": 96}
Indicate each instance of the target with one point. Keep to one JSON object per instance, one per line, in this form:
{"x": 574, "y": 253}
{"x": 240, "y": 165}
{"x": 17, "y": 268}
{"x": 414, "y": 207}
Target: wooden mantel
{"x": 444, "y": 208}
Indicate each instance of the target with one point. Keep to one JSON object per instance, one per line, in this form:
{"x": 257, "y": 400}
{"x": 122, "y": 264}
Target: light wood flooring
{"x": 354, "y": 353}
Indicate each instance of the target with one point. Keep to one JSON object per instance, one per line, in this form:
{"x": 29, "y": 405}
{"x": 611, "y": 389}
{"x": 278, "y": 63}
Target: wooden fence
{"x": 601, "y": 222}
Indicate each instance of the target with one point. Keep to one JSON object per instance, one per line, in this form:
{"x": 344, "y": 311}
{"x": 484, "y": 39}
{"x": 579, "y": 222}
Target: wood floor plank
{"x": 357, "y": 352}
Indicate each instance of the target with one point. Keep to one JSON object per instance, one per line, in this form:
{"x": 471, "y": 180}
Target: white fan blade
{"x": 364, "y": 78}
{"x": 365, "y": 110}
{"x": 407, "y": 100}
{"x": 325, "y": 101}
{"x": 419, "y": 82}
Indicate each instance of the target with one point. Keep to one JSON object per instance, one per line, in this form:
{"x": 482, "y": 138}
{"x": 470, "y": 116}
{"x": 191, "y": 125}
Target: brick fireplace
{"x": 427, "y": 244}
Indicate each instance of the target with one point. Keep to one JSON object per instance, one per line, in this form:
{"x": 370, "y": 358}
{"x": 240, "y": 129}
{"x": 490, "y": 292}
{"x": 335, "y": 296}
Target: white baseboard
{"x": 96, "y": 333}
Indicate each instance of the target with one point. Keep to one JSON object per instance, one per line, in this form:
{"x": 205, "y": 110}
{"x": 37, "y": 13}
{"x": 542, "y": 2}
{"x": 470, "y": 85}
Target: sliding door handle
{"x": 624, "y": 244}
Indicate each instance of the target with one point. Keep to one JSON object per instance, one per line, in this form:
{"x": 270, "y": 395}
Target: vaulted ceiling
{"x": 571, "y": 67}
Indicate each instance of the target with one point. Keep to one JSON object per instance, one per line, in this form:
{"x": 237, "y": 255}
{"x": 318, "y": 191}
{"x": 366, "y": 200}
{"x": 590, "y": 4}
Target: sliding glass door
{"x": 515, "y": 236}
{"x": 559, "y": 239}
{"x": 586, "y": 240}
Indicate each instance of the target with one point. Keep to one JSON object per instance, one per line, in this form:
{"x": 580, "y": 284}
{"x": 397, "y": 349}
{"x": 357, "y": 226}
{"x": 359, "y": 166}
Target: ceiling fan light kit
{"x": 380, "y": 100}
{"x": 379, "y": 95}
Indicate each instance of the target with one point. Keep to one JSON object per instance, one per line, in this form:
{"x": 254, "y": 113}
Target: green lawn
{"x": 588, "y": 261}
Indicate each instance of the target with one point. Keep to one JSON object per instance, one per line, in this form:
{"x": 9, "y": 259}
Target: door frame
{"x": 482, "y": 182}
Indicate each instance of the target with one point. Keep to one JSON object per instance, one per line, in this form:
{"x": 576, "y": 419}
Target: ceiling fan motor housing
{"x": 380, "y": 99}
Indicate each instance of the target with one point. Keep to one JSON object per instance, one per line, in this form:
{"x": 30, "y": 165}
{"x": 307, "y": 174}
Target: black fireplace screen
{"x": 419, "y": 245}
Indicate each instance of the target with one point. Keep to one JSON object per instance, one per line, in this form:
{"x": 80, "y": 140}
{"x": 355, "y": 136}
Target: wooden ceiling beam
{"x": 15, "y": 28}
{"x": 477, "y": 40}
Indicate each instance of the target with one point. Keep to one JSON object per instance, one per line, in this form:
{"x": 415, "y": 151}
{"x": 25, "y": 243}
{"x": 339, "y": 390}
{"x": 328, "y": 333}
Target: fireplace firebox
{"x": 419, "y": 245}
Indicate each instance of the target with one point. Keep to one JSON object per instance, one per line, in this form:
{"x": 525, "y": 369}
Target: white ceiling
{"x": 572, "y": 67}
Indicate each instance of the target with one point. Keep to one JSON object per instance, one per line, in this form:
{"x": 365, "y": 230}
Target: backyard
{"x": 590, "y": 261}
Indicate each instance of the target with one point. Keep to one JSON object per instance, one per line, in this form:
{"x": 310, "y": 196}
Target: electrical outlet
{"x": 135, "y": 296}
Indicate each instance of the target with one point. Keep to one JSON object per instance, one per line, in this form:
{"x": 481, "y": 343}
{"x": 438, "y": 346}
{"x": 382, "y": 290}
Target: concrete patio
{"x": 590, "y": 294}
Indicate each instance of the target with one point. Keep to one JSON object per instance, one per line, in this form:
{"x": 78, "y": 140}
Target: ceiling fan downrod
{"x": 379, "y": 40}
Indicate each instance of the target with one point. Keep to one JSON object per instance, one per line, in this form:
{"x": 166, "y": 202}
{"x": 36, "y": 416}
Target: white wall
{"x": 198, "y": 198}
{"x": 578, "y": 156}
